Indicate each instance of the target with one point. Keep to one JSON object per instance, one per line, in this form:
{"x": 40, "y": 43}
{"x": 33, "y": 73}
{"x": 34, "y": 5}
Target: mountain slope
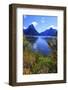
{"x": 49, "y": 32}
{"x": 30, "y": 30}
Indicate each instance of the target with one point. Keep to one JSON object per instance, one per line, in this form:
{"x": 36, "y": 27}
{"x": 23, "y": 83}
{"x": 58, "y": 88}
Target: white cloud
{"x": 35, "y": 23}
{"x": 25, "y": 27}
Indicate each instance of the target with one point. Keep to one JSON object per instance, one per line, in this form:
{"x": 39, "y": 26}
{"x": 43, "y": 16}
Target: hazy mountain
{"x": 32, "y": 31}
{"x": 49, "y": 32}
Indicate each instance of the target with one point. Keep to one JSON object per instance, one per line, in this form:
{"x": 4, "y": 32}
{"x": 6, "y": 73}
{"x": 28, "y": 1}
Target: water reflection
{"x": 41, "y": 44}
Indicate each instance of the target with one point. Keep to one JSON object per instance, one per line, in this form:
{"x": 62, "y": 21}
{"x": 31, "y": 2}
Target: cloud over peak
{"x": 35, "y": 23}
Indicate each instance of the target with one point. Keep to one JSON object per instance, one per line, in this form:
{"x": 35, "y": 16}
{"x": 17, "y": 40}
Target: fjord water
{"x": 40, "y": 44}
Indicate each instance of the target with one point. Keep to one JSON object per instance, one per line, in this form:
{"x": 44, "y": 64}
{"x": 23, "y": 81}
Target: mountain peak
{"x": 51, "y": 28}
{"x": 30, "y": 30}
{"x": 31, "y": 26}
{"x": 49, "y": 32}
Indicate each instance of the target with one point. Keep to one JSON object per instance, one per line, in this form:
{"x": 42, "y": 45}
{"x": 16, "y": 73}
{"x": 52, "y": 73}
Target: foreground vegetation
{"x": 36, "y": 63}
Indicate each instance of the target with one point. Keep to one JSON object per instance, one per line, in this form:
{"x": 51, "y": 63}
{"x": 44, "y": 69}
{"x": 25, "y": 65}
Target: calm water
{"x": 40, "y": 44}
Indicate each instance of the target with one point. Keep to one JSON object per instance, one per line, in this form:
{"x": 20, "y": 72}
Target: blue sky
{"x": 41, "y": 23}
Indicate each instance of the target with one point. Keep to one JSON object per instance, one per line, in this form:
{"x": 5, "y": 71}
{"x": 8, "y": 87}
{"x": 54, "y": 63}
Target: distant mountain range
{"x": 32, "y": 31}
{"x": 49, "y": 32}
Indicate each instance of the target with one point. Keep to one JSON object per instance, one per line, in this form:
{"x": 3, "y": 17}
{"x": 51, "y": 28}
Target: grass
{"x": 36, "y": 63}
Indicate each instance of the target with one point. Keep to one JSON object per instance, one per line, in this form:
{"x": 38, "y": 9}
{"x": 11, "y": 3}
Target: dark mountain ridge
{"x": 49, "y": 32}
{"x": 33, "y": 32}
